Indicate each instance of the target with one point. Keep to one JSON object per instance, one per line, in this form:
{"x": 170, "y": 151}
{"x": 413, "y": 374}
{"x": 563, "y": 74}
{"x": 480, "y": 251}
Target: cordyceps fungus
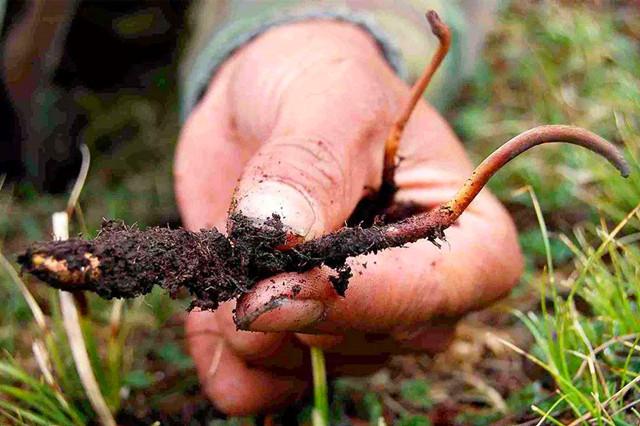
{"x": 124, "y": 261}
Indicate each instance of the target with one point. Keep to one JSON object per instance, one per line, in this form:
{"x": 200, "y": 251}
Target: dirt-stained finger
{"x": 209, "y": 159}
{"x": 321, "y": 114}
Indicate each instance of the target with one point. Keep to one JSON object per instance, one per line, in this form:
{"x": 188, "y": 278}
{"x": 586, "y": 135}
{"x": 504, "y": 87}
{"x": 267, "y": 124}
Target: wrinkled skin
{"x": 294, "y": 123}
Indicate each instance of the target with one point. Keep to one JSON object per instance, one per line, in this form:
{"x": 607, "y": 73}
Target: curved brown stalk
{"x": 441, "y": 30}
{"x": 524, "y": 141}
{"x": 418, "y": 226}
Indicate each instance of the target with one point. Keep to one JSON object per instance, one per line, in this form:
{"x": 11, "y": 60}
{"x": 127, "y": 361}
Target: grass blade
{"x": 71, "y": 322}
{"x": 320, "y": 393}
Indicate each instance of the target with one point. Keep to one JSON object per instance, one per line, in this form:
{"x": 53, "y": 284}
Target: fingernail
{"x": 296, "y": 210}
{"x": 282, "y": 314}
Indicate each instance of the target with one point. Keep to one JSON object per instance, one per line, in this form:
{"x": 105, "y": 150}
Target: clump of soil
{"x": 128, "y": 261}
{"x": 132, "y": 261}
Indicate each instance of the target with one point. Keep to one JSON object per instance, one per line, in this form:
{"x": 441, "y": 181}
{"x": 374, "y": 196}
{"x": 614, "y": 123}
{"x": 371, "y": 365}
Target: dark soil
{"x": 133, "y": 261}
{"x": 212, "y": 267}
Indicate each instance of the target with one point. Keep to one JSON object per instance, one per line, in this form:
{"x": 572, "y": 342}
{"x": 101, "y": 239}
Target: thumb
{"x": 325, "y": 145}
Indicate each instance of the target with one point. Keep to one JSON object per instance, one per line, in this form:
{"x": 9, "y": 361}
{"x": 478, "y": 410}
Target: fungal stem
{"x": 523, "y": 142}
{"x": 441, "y": 30}
{"x": 424, "y": 225}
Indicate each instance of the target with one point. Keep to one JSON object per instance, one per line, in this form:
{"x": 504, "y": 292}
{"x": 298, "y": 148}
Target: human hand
{"x": 294, "y": 124}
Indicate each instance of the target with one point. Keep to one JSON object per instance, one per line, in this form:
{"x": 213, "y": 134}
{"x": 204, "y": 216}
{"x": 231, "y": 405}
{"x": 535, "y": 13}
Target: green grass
{"x": 578, "y": 66}
{"x": 320, "y": 414}
{"x": 587, "y": 339}
{"x": 105, "y": 343}
{"x": 613, "y": 197}
{"x": 108, "y": 330}
{"x": 32, "y": 401}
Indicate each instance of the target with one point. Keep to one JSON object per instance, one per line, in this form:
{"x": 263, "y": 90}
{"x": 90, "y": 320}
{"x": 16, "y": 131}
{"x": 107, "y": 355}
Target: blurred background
{"x": 561, "y": 349}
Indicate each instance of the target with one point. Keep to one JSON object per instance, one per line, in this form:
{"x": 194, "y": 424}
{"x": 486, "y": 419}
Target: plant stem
{"x": 320, "y": 393}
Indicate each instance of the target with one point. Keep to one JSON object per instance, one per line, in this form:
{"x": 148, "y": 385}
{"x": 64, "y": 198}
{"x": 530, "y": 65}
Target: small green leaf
{"x": 138, "y": 379}
{"x": 173, "y": 354}
{"x": 416, "y": 392}
{"x": 373, "y": 406}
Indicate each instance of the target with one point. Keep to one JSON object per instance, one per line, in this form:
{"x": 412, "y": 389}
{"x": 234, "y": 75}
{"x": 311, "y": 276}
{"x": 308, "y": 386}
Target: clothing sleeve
{"x": 399, "y": 27}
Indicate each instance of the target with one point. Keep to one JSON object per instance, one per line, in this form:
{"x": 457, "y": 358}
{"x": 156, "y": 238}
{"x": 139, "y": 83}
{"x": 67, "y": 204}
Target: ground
{"x": 560, "y": 349}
